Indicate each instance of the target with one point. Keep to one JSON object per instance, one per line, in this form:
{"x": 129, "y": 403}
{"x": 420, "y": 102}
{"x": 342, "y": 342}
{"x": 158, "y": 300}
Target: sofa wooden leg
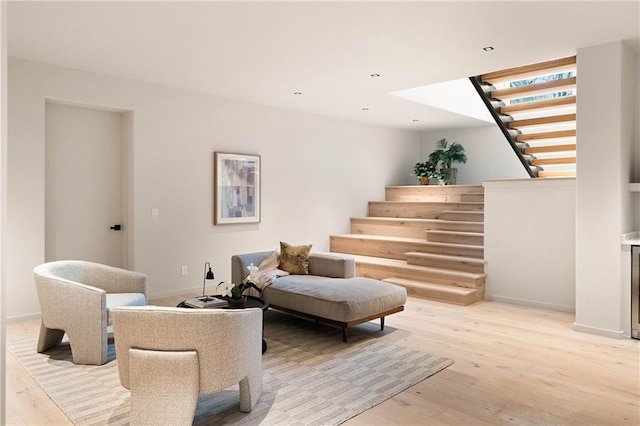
{"x": 381, "y": 323}
{"x": 344, "y": 334}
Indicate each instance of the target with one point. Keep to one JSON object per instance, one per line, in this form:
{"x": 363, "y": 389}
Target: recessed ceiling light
{"x": 487, "y": 48}
{"x": 375, "y": 75}
{"x": 297, "y": 93}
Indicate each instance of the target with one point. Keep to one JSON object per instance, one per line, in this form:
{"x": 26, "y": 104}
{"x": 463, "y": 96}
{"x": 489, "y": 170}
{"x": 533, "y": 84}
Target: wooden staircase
{"x": 535, "y": 107}
{"x": 428, "y": 239}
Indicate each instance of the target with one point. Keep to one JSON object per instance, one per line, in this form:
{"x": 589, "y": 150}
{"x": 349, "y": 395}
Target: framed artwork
{"x": 236, "y": 188}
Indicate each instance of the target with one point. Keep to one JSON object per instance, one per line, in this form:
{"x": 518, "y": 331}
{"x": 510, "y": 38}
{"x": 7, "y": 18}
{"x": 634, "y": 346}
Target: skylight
{"x": 457, "y": 96}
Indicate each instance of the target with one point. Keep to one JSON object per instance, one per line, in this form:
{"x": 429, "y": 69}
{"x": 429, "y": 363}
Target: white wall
{"x": 605, "y": 131}
{"x": 317, "y": 172}
{"x": 533, "y": 263}
{"x": 489, "y": 155}
{"x": 3, "y": 180}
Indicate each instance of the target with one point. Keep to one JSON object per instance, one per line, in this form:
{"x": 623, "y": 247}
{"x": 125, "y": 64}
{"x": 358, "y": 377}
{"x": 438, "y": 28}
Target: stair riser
{"x": 400, "y": 229}
{"x": 417, "y": 210}
{"x": 472, "y": 198}
{"x": 397, "y": 249}
{"x": 462, "y": 216}
{"x": 463, "y": 300}
{"x": 428, "y": 192}
{"x": 476, "y": 240}
{"x": 456, "y": 265}
{"x": 434, "y": 198}
{"x": 380, "y": 272}
{"x": 456, "y": 226}
{"x": 409, "y": 230}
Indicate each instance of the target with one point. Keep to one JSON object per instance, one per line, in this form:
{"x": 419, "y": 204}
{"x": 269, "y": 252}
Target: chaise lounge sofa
{"x": 330, "y": 293}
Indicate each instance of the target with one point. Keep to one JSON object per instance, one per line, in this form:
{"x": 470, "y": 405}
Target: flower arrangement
{"x": 235, "y": 291}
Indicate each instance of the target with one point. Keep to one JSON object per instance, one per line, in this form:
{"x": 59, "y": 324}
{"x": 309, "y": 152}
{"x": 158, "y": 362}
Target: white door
{"x": 83, "y": 178}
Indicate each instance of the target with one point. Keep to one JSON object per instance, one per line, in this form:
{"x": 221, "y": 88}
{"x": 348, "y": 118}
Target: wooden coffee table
{"x": 252, "y": 302}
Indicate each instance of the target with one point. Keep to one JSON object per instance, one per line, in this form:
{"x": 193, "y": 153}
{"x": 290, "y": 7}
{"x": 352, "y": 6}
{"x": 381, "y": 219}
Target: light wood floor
{"x": 513, "y": 365}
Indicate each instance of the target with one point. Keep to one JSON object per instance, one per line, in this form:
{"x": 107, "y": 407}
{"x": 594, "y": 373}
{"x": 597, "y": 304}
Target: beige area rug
{"x": 310, "y": 377}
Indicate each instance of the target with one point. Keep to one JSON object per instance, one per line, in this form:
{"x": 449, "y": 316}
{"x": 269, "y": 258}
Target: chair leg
{"x": 164, "y": 387}
{"x": 250, "y": 391}
{"x": 88, "y": 345}
{"x": 49, "y": 338}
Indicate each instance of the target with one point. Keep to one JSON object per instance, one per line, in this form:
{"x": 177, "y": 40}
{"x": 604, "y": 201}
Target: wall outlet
{"x": 185, "y": 270}
{"x": 155, "y": 213}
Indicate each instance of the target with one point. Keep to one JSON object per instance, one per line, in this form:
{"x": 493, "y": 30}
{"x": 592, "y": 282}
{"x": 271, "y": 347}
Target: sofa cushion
{"x": 116, "y": 300}
{"x": 294, "y": 259}
{"x": 333, "y": 298}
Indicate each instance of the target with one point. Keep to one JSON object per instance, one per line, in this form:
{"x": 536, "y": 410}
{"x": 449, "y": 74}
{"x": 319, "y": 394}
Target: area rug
{"x": 310, "y": 377}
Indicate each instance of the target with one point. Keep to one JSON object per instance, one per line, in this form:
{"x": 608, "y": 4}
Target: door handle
{"x": 116, "y": 227}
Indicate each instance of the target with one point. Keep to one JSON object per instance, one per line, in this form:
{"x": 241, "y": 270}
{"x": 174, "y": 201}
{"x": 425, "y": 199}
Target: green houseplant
{"x": 427, "y": 170}
{"x": 423, "y": 171}
{"x": 444, "y": 156}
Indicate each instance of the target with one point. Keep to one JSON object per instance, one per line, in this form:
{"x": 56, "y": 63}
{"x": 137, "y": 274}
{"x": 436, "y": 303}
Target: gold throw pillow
{"x": 294, "y": 259}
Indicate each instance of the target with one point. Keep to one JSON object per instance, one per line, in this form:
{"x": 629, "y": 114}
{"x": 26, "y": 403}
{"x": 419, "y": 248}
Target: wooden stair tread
{"x": 450, "y": 193}
{"x": 475, "y": 204}
{"x": 426, "y": 269}
{"x": 546, "y": 135}
{"x": 457, "y": 189}
{"x": 451, "y": 289}
{"x": 554, "y": 66}
{"x": 550, "y": 86}
{"x": 556, "y": 173}
{"x": 419, "y": 220}
{"x": 541, "y": 121}
{"x": 555, "y": 160}
{"x": 459, "y": 233}
{"x": 550, "y": 148}
{"x": 446, "y": 257}
{"x": 381, "y": 238}
{"x": 403, "y": 239}
{"x": 543, "y": 105}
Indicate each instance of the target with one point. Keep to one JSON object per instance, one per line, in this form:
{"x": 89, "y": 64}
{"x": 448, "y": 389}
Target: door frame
{"x": 127, "y": 240}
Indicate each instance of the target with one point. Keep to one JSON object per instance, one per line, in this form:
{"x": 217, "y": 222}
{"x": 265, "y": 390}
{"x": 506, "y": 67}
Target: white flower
{"x": 254, "y": 273}
{"x": 226, "y": 288}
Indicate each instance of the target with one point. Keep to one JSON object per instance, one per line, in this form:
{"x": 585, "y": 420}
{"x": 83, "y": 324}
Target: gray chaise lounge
{"x": 331, "y": 294}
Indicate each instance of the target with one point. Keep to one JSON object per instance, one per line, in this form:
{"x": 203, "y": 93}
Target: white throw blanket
{"x": 265, "y": 274}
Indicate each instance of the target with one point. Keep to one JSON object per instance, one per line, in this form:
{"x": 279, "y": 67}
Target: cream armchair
{"x": 167, "y": 357}
{"x": 76, "y": 297}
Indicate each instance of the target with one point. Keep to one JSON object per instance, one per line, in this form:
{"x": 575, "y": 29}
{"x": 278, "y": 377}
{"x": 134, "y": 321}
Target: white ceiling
{"x": 263, "y": 52}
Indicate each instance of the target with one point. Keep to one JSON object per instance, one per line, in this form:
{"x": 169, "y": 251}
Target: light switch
{"x": 155, "y": 213}
{"x": 185, "y": 270}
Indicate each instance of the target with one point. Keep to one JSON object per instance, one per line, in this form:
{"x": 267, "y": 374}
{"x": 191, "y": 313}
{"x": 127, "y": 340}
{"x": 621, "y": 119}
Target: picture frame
{"x": 236, "y": 188}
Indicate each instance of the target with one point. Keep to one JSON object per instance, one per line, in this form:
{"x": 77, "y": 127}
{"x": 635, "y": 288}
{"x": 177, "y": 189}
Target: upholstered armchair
{"x": 76, "y": 297}
{"x": 167, "y": 357}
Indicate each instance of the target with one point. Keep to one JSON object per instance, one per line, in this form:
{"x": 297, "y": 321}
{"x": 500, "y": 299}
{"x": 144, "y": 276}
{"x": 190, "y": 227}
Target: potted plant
{"x": 424, "y": 171}
{"x": 444, "y": 156}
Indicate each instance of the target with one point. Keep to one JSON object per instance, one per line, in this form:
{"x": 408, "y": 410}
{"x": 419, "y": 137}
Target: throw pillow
{"x": 294, "y": 259}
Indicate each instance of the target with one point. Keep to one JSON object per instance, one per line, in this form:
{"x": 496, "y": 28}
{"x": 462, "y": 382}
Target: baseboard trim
{"x": 598, "y": 331}
{"x": 22, "y": 318}
{"x": 531, "y": 303}
{"x": 37, "y": 316}
{"x": 176, "y": 292}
